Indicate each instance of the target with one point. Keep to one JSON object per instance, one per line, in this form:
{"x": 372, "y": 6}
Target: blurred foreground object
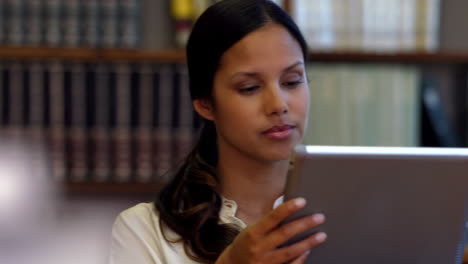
{"x": 28, "y": 198}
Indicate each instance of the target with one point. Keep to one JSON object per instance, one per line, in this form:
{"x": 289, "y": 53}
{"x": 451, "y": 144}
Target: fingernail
{"x": 307, "y": 252}
{"x": 299, "y": 202}
{"x": 318, "y": 218}
{"x": 320, "y": 237}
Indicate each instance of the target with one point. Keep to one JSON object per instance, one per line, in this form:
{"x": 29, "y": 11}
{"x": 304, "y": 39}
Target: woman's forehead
{"x": 270, "y": 45}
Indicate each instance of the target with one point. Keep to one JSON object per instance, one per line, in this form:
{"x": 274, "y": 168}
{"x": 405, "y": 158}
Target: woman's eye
{"x": 248, "y": 90}
{"x": 292, "y": 84}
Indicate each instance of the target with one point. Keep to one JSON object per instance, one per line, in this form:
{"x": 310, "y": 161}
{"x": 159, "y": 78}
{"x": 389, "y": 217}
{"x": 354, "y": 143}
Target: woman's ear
{"x": 204, "y": 108}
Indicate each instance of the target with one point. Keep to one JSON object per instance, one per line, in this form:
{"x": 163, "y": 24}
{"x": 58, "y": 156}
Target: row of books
{"x": 367, "y": 105}
{"x": 369, "y": 25}
{"x": 131, "y": 122}
{"x": 73, "y": 23}
{"x": 119, "y": 122}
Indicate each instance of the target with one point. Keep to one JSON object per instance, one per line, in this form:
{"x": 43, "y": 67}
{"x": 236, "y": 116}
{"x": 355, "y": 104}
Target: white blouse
{"x": 137, "y": 236}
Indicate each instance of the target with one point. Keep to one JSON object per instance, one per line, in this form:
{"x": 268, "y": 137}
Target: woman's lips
{"x": 279, "y": 132}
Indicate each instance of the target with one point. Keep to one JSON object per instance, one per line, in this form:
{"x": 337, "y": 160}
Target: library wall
{"x": 108, "y": 158}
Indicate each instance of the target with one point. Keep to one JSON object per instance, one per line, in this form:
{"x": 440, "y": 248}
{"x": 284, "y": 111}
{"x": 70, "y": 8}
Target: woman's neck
{"x": 254, "y": 185}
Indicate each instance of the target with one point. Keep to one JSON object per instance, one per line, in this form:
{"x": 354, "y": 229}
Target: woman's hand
{"x": 258, "y": 243}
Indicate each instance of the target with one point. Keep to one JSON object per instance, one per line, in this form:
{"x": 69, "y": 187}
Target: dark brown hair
{"x": 189, "y": 204}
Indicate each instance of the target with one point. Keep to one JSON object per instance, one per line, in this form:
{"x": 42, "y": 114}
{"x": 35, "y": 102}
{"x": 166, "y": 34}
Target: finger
{"x": 295, "y": 250}
{"x": 301, "y": 259}
{"x": 270, "y": 221}
{"x": 285, "y": 232}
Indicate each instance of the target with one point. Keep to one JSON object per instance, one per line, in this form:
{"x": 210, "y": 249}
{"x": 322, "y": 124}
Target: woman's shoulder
{"x": 137, "y": 235}
{"x": 141, "y": 220}
{"x": 140, "y": 212}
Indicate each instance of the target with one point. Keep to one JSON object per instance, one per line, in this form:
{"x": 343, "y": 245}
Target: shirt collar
{"x": 227, "y": 214}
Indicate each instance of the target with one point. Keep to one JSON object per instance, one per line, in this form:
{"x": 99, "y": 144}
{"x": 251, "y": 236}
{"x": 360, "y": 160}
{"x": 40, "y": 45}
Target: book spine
{"x": 3, "y": 20}
{"x": 407, "y": 25}
{"x": 368, "y": 25}
{"x": 182, "y": 12}
{"x": 422, "y": 8}
{"x": 72, "y": 16}
{"x": 3, "y": 98}
{"x": 387, "y": 36}
{"x": 327, "y": 25}
{"x": 354, "y": 22}
{"x": 340, "y": 21}
{"x": 162, "y": 137}
{"x": 36, "y": 103}
{"x": 16, "y": 94}
{"x": 143, "y": 151}
{"x": 90, "y": 27}
{"x": 312, "y": 134}
{"x": 108, "y": 23}
{"x": 121, "y": 133}
{"x": 101, "y": 167}
{"x": 15, "y": 10}
{"x": 411, "y": 127}
{"x": 53, "y": 32}
{"x": 129, "y": 23}
{"x": 432, "y": 33}
{"x": 57, "y": 121}
{"x": 34, "y": 20}
{"x": 184, "y": 136}
{"x": 77, "y": 132}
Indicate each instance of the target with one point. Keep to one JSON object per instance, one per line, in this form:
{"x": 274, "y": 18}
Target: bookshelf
{"x": 455, "y": 62}
{"x": 91, "y": 55}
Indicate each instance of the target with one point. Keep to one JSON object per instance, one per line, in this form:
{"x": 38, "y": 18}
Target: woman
{"x": 246, "y": 61}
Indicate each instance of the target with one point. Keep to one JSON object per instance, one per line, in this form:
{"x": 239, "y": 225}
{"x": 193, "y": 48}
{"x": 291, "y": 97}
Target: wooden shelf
{"x": 178, "y": 56}
{"x": 408, "y": 57}
{"x": 83, "y": 54}
{"x": 112, "y": 188}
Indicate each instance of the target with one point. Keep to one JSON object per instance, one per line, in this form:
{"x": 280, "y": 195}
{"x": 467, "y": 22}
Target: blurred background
{"x": 95, "y": 108}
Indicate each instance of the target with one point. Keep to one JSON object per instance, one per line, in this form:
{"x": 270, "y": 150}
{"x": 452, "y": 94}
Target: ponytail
{"x": 190, "y": 203}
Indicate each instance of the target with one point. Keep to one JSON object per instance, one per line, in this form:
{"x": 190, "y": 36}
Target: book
{"x": 142, "y": 137}
{"x": 15, "y": 119}
{"x": 77, "y": 132}
{"x": 121, "y": 138}
{"x": 129, "y": 23}
{"x": 3, "y": 97}
{"x": 15, "y": 19}
{"x": 72, "y": 16}
{"x": 407, "y": 29}
{"x": 183, "y": 134}
{"x": 369, "y": 25}
{"x": 35, "y": 22}
{"x": 163, "y": 152}
{"x": 156, "y": 25}
{"x": 108, "y": 23}
{"x": 36, "y": 102}
{"x": 100, "y": 128}
{"x": 370, "y": 105}
{"x": 432, "y": 33}
{"x": 3, "y": 23}
{"x": 91, "y": 23}
{"x": 55, "y": 84}
{"x": 53, "y": 23}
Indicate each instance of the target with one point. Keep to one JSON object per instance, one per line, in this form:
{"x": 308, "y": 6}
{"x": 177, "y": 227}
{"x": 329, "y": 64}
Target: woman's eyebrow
{"x": 293, "y": 66}
{"x": 254, "y": 74}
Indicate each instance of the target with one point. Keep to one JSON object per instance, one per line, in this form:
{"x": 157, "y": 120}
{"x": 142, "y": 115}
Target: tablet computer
{"x": 383, "y": 205}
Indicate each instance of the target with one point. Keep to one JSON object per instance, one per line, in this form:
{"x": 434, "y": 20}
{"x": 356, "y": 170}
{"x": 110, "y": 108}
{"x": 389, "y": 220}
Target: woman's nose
{"x": 276, "y": 102}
